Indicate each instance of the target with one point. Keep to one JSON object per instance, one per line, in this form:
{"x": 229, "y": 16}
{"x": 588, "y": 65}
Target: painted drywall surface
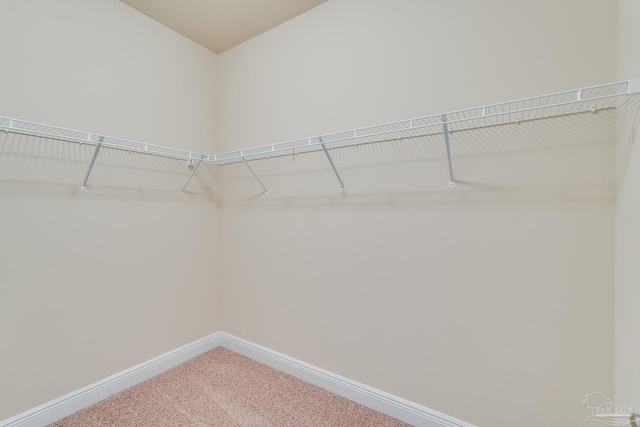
{"x": 94, "y": 283}
{"x": 491, "y": 302}
{"x": 627, "y": 270}
{"x": 114, "y": 71}
{"x": 407, "y": 59}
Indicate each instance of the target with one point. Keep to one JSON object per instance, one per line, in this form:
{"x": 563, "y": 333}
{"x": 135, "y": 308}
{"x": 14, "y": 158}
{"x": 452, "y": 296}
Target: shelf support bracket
{"x": 445, "y": 128}
{"x": 193, "y": 172}
{"x": 326, "y": 152}
{"x": 254, "y": 174}
{"x": 93, "y": 161}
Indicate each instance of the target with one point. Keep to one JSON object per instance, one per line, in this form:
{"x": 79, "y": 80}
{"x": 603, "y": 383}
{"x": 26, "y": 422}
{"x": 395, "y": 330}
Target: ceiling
{"x": 219, "y": 25}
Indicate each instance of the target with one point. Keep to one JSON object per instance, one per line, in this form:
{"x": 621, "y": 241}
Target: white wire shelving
{"x": 570, "y": 102}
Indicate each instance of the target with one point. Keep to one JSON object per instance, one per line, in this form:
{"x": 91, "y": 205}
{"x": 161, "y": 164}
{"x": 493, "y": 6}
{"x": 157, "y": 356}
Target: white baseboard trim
{"x": 381, "y": 401}
{"x": 68, "y": 404}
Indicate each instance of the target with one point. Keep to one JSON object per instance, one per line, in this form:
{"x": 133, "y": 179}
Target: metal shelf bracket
{"x": 326, "y": 152}
{"x": 254, "y": 174}
{"x": 193, "y": 172}
{"x": 83, "y": 188}
{"x": 445, "y": 129}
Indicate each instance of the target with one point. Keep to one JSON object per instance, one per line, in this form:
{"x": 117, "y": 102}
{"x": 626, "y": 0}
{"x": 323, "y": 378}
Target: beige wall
{"x": 407, "y": 59}
{"x": 627, "y": 269}
{"x": 94, "y": 283}
{"x": 492, "y": 302}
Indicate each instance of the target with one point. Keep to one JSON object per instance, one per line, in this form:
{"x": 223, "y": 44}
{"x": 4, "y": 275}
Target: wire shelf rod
{"x": 230, "y": 157}
{"x": 286, "y": 152}
{"x": 81, "y": 137}
{"x": 621, "y": 89}
{"x": 551, "y": 105}
{"x": 622, "y": 85}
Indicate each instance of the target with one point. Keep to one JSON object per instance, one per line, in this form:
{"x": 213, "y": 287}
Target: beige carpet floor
{"x": 223, "y": 388}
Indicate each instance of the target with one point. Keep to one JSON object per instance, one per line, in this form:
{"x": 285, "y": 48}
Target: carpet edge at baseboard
{"x": 378, "y": 400}
{"x": 373, "y": 398}
{"x": 70, "y": 403}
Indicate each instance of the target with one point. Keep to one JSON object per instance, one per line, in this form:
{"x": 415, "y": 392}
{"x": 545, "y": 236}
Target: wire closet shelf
{"x": 584, "y": 100}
